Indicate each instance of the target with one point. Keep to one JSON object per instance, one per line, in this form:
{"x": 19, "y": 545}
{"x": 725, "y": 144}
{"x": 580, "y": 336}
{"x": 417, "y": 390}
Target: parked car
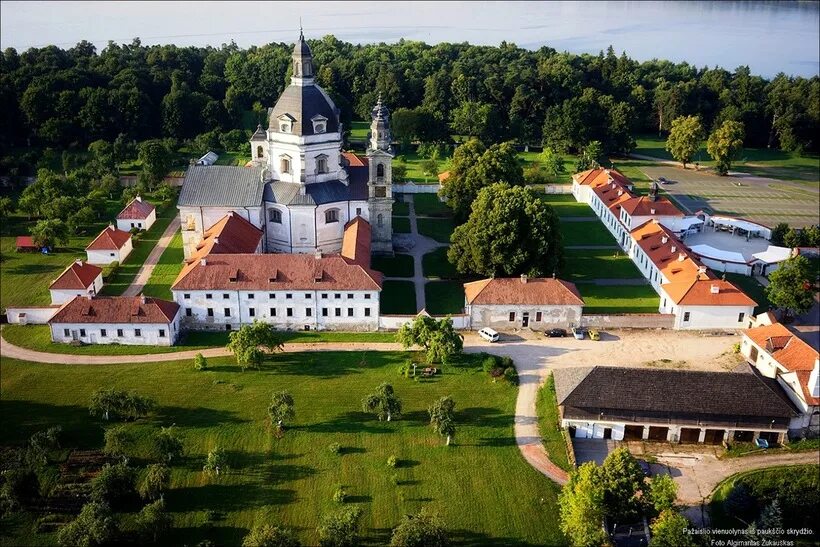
{"x": 594, "y": 335}
{"x": 578, "y": 332}
{"x": 645, "y": 467}
{"x": 661, "y": 180}
{"x": 489, "y": 334}
{"x": 555, "y": 333}
{"x": 761, "y": 443}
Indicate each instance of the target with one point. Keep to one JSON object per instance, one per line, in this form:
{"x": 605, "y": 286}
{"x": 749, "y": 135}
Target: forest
{"x": 67, "y": 98}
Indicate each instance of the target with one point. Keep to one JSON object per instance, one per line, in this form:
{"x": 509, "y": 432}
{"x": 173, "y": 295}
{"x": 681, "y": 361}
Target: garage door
{"x": 714, "y": 436}
{"x": 770, "y": 437}
{"x": 689, "y": 435}
{"x": 658, "y": 433}
{"x": 633, "y": 433}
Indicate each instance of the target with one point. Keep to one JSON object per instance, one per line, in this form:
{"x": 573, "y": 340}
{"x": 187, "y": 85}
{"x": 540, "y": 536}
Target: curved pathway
{"x": 147, "y": 268}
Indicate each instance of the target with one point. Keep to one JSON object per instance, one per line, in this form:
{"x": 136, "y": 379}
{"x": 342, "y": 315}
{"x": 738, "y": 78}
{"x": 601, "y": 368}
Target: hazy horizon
{"x": 768, "y": 37}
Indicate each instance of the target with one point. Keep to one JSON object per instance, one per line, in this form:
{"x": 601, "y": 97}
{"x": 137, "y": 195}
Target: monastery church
{"x": 300, "y": 188}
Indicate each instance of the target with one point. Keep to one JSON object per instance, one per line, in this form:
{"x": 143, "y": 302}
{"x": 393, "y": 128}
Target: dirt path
{"x": 147, "y": 268}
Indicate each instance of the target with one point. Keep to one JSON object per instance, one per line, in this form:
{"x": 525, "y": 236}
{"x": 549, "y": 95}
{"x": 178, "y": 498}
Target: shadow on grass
{"x": 350, "y": 422}
{"x": 196, "y": 417}
{"x": 483, "y": 417}
{"x": 474, "y": 539}
{"x": 351, "y": 450}
{"x": 21, "y": 419}
{"x": 216, "y": 535}
{"x": 233, "y": 497}
{"x": 359, "y": 499}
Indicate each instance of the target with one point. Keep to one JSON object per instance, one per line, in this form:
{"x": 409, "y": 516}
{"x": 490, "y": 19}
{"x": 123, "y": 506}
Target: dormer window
{"x": 319, "y": 123}
{"x": 284, "y": 127}
{"x": 286, "y": 123}
{"x": 320, "y": 128}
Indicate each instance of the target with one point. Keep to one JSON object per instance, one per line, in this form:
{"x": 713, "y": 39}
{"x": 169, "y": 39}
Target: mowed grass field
{"x": 398, "y": 298}
{"x": 484, "y": 491}
{"x": 166, "y": 270}
{"x": 588, "y": 264}
{"x": 565, "y": 205}
{"x": 393, "y": 266}
{"x": 444, "y": 297}
{"x": 590, "y": 232}
{"x": 618, "y": 299}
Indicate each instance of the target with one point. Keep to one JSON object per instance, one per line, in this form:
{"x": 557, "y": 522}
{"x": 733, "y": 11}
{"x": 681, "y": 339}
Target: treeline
{"x": 71, "y": 97}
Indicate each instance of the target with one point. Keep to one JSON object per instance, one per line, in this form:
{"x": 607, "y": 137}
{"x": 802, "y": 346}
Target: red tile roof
{"x": 109, "y": 239}
{"x": 356, "y": 242}
{"x": 513, "y": 290}
{"x": 355, "y": 160}
{"x": 613, "y": 195}
{"x": 25, "y": 242}
{"x": 644, "y": 206}
{"x": 116, "y": 309}
{"x": 231, "y": 234}
{"x": 136, "y": 210}
{"x": 711, "y": 292}
{"x": 598, "y": 177}
{"x": 79, "y": 275}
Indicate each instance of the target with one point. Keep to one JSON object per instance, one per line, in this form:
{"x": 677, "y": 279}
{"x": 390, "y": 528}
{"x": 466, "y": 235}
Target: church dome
{"x": 302, "y": 106}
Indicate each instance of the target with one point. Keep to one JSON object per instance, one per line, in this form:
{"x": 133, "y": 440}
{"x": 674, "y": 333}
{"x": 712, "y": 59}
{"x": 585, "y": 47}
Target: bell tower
{"x": 380, "y": 180}
{"x": 303, "y": 72}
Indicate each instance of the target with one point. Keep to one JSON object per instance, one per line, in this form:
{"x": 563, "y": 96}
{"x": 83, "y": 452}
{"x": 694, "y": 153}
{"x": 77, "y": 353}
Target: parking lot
{"x": 765, "y": 201}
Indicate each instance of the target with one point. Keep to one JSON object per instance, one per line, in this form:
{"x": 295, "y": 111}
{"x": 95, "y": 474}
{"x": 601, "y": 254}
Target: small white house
{"x": 129, "y": 320}
{"x": 208, "y": 159}
{"x": 111, "y": 245}
{"x": 79, "y": 279}
{"x": 137, "y": 214}
{"x": 512, "y": 302}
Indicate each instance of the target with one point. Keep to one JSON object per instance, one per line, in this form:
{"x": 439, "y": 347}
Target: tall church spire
{"x": 380, "y": 126}
{"x": 302, "y": 62}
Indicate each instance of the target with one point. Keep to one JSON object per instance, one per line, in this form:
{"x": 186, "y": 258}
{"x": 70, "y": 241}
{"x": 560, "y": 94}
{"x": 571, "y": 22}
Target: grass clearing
{"x": 398, "y": 298}
{"x": 619, "y": 299}
{"x": 166, "y": 271}
{"x": 359, "y": 130}
{"x": 428, "y": 205}
{"x": 549, "y": 425}
{"x": 394, "y": 266}
{"x": 481, "y": 486}
{"x": 590, "y": 264}
{"x": 566, "y": 206}
{"x": 444, "y": 297}
{"x": 401, "y": 225}
{"x": 586, "y": 233}
{"x": 435, "y": 264}
{"x": 401, "y": 209}
{"x": 415, "y": 170}
{"x": 439, "y": 229}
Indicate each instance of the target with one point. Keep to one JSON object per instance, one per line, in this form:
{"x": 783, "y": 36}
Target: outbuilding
{"x": 79, "y": 279}
{"x": 137, "y": 214}
{"x": 111, "y": 245}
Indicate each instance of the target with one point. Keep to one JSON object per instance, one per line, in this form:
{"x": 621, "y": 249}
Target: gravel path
{"x": 421, "y": 246}
{"x": 147, "y": 268}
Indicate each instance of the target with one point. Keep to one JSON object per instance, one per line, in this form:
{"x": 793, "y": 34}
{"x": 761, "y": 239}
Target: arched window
{"x": 331, "y": 215}
{"x": 380, "y": 170}
{"x": 321, "y": 164}
{"x": 260, "y": 153}
{"x": 284, "y": 164}
{"x": 275, "y": 215}
{"x": 379, "y": 220}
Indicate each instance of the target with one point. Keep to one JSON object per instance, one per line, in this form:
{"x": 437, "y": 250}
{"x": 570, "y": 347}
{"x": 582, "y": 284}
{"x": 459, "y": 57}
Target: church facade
{"x": 300, "y": 188}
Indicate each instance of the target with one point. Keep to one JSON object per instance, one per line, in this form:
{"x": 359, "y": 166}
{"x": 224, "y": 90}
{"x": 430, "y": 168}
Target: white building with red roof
{"x": 129, "y": 320}
{"x": 137, "y": 214}
{"x": 111, "y": 245}
{"x": 777, "y": 353}
{"x": 522, "y": 302}
{"x": 79, "y": 279}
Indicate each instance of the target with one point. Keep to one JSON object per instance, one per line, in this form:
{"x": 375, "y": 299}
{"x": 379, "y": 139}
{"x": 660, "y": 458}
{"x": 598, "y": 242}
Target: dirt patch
{"x": 667, "y": 363}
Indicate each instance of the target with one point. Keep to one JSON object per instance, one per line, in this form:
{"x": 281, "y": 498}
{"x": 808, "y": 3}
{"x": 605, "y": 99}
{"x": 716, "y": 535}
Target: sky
{"x": 768, "y": 36}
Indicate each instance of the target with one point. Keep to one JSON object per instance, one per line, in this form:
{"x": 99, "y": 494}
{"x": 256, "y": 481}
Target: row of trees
{"x": 61, "y": 97}
{"x": 723, "y": 145}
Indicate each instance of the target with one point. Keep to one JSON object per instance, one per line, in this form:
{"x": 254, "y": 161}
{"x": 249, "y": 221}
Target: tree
{"x": 474, "y": 167}
{"x": 552, "y": 162}
{"x": 126, "y": 405}
{"x": 200, "y": 363}
{"x": 118, "y": 442}
{"x": 510, "y": 231}
{"x": 724, "y": 143}
{"x": 156, "y": 160}
{"x": 84, "y": 216}
{"x": 684, "y": 138}
{"x": 95, "y": 525}
{"x": 340, "y": 528}
{"x": 472, "y": 119}
{"x": 790, "y": 286}
{"x": 590, "y": 157}
{"x": 580, "y": 507}
{"x": 41, "y": 444}
{"x": 383, "y": 403}
{"x": 438, "y": 337}
{"x": 662, "y": 493}
{"x": 155, "y": 481}
{"x": 430, "y": 165}
{"x": 216, "y": 462}
{"x": 771, "y": 516}
{"x": 441, "y": 417}
{"x": 793, "y": 238}
{"x": 670, "y": 530}
{"x": 235, "y": 140}
{"x": 245, "y": 343}
{"x": 115, "y": 486}
{"x": 281, "y": 409}
{"x": 268, "y": 535}
{"x": 153, "y": 521}
{"x": 624, "y": 485}
{"x": 166, "y": 445}
{"x": 399, "y": 172}
{"x": 422, "y": 530}
{"x": 779, "y": 234}
{"x": 7, "y": 206}
{"x": 50, "y": 233}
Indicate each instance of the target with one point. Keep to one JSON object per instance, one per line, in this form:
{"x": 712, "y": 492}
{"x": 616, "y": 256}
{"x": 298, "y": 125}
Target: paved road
{"x": 147, "y": 268}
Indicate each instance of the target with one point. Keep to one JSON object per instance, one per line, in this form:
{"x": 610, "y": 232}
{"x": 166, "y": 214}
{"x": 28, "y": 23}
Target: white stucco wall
{"x": 498, "y": 316}
{"x": 60, "y": 296}
{"x": 102, "y": 258}
{"x": 195, "y": 220}
{"x": 30, "y": 315}
{"x": 149, "y": 333}
{"x": 712, "y": 317}
{"x": 126, "y": 224}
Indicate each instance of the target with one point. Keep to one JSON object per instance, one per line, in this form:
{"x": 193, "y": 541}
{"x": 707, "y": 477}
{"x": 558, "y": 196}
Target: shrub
{"x": 736, "y": 347}
{"x": 115, "y": 486}
{"x": 267, "y": 535}
{"x": 340, "y": 494}
{"x": 422, "y": 530}
{"x": 489, "y": 363}
{"x": 497, "y": 372}
{"x": 335, "y": 448}
{"x": 392, "y": 462}
{"x": 507, "y": 362}
{"x": 511, "y": 375}
{"x": 200, "y": 363}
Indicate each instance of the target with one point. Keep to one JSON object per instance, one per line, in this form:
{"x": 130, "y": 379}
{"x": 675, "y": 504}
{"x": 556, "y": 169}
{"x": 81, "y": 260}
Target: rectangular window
{"x": 252, "y": 312}
{"x": 512, "y": 316}
{"x": 324, "y": 295}
{"x": 664, "y": 302}
{"x": 337, "y": 296}
{"x": 82, "y": 332}
{"x": 288, "y": 296}
{"x": 188, "y": 312}
{"x": 66, "y": 332}
{"x": 367, "y": 312}
{"x": 273, "y": 312}
{"x": 308, "y": 312}
{"x": 103, "y": 333}
{"x": 308, "y": 295}
{"x": 272, "y": 295}
{"x": 186, "y": 296}
{"x": 740, "y": 317}
{"x": 162, "y": 333}
{"x": 686, "y": 317}
{"x": 138, "y": 332}
{"x": 290, "y": 312}
{"x": 338, "y": 312}
{"x": 538, "y": 317}
{"x": 210, "y": 312}
{"x": 208, "y": 296}
{"x": 324, "y": 312}
{"x": 358, "y": 211}
{"x": 350, "y": 312}
{"x": 250, "y": 296}
{"x": 227, "y": 312}
{"x": 350, "y": 295}
{"x": 367, "y": 296}
{"x": 225, "y": 296}
{"x": 119, "y": 333}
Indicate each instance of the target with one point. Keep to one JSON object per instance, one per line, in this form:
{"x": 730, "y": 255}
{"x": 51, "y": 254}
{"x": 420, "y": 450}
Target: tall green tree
{"x": 95, "y": 525}
{"x": 662, "y": 493}
{"x": 624, "y": 483}
{"x": 153, "y": 521}
{"x": 724, "y": 143}
{"x": 156, "y": 160}
{"x": 439, "y": 339}
{"x": 422, "y": 530}
{"x": 154, "y": 481}
{"x": 791, "y": 286}
{"x": 670, "y": 530}
{"x": 268, "y": 535}
{"x": 442, "y": 417}
{"x": 685, "y": 138}
{"x": 166, "y": 445}
{"x": 590, "y": 157}
{"x": 580, "y": 507}
{"x": 510, "y": 232}
{"x": 50, "y": 233}
{"x": 340, "y": 528}
{"x": 281, "y": 409}
{"x": 246, "y": 342}
{"x": 383, "y": 402}
{"x": 552, "y": 162}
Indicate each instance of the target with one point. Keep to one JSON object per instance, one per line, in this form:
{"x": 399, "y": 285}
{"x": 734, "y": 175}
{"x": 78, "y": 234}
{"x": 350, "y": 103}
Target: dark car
{"x": 645, "y": 467}
{"x": 555, "y": 333}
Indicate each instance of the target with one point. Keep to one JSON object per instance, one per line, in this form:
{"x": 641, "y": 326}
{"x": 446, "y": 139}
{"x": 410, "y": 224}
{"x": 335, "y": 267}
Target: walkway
{"x": 147, "y": 268}
{"x": 421, "y": 246}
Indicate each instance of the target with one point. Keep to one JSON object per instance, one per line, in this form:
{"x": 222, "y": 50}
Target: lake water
{"x": 770, "y": 37}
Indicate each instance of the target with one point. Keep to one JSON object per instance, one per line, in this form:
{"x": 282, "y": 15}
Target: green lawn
{"x": 617, "y": 299}
{"x": 359, "y": 130}
{"x": 398, "y": 298}
{"x": 439, "y": 229}
{"x": 444, "y": 297}
{"x": 549, "y": 425}
{"x": 401, "y": 225}
{"x": 566, "y": 206}
{"x": 589, "y": 264}
{"x": 586, "y": 233}
{"x": 753, "y": 289}
{"x": 415, "y": 172}
{"x": 435, "y": 264}
{"x": 632, "y": 170}
{"x": 484, "y": 491}
{"x": 428, "y": 205}
{"x": 233, "y": 158}
{"x": 530, "y": 159}
{"x": 166, "y": 270}
{"x": 395, "y": 266}
{"x": 25, "y": 277}
{"x": 142, "y": 248}
{"x": 401, "y": 208}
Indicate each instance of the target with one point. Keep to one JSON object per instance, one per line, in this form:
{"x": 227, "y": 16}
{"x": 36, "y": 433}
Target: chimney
{"x": 652, "y": 211}
{"x": 138, "y": 198}
{"x": 203, "y": 262}
{"x": 814, "y": 379}
{"x": 664, "y": 239}
{"x": 714, "y": 289}
{"x": 216, "y": 240}
{"x": 524, "y": 278}
{"x": 112, "y": 227}
{"x": 702, "y": 269}
{"x": 79, "y": 262}
{"x": 142, "y": 299}
{"x": 674, "y": 248}
{"x": 230, "y": 214}
{"x": 681, "y": 257}
{"x": 620, "y": 192}
{"x": 318, "y": 254}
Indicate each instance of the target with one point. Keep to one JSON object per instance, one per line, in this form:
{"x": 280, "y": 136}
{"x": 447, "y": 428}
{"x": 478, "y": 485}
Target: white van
{"x": 488, "y": 334}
